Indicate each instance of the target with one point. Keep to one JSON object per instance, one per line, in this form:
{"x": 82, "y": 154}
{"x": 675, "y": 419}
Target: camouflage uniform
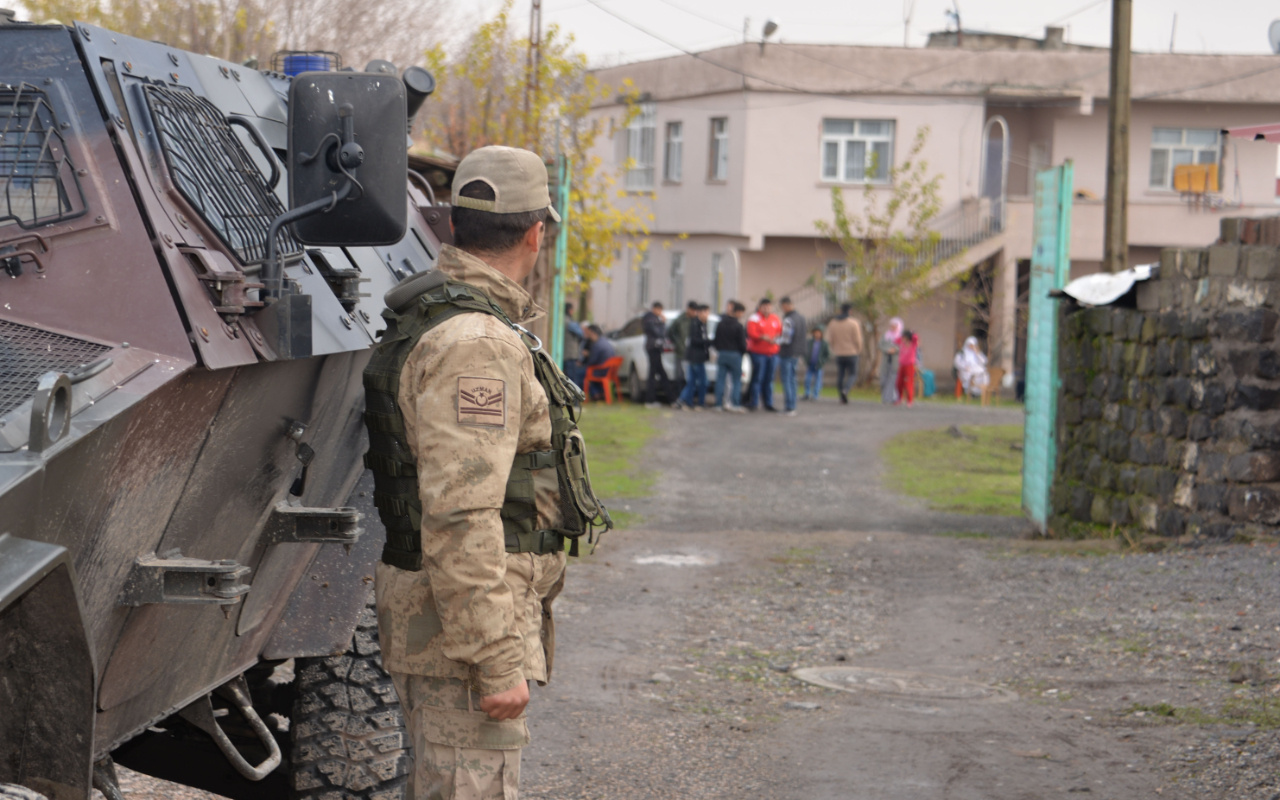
{"x": 476, "y": 620}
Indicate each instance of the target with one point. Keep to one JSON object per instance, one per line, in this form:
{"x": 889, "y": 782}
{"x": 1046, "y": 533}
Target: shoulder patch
{"x": 482, "y": 401}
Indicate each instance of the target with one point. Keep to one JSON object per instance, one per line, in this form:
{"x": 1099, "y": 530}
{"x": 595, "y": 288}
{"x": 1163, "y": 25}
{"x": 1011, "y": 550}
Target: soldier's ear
{"x": 533, "y": 236}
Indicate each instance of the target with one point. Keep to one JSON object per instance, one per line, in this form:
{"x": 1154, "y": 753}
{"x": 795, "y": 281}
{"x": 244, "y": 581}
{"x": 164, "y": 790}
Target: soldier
{"x": 480, "y": 476}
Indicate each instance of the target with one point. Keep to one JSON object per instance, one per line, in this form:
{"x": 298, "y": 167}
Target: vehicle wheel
{"x": 347, "y": 729}
{"x": 633, "y": 386}
{"x": 11, "y": 791}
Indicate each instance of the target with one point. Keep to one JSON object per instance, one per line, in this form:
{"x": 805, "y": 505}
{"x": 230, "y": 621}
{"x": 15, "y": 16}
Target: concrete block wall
{"x": 1169, "y": 417}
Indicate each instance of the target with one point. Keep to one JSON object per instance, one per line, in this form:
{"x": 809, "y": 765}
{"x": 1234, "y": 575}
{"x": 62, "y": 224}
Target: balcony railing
{"x": 968, "y": 224}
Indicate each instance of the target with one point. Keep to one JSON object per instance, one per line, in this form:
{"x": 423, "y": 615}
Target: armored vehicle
{"x": 194, "y": 255}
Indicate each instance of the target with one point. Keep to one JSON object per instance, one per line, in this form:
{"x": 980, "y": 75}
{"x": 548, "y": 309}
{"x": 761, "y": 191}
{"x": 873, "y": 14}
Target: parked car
{"x": 628, "y": 342}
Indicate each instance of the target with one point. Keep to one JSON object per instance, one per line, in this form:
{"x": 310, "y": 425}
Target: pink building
{"x": 735, "y": 152}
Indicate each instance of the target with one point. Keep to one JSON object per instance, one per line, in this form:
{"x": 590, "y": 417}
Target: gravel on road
{"x": 770, "y": 545}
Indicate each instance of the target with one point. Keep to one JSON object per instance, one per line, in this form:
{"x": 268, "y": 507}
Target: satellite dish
{"x": 1273, "y": 33}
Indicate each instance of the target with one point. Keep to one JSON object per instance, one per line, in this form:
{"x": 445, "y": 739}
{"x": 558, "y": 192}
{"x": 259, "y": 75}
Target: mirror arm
{"x": 272, "y": 272}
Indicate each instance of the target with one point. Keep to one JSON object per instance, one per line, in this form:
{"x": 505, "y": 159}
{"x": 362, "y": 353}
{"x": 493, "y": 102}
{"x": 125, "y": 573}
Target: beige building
{"x": 734, "y": 152}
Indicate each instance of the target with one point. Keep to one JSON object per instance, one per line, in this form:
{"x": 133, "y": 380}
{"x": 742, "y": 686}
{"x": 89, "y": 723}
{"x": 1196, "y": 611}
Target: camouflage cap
{"x": 518, "y": 179}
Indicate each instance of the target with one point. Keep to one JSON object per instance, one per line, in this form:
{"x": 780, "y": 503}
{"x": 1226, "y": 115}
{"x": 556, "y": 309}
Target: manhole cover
{"x": 894, "y": 682}
{"x": 675, "y": 560}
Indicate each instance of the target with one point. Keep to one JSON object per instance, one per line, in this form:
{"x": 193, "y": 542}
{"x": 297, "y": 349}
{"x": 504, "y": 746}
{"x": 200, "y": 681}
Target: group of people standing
{"x": 775, "y": 345}
{"x": 778, "y": 345}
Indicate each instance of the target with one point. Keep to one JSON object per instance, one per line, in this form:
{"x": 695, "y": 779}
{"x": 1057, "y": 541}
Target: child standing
{"x": 908, "y": 350}
{"x": 816, "y": 358}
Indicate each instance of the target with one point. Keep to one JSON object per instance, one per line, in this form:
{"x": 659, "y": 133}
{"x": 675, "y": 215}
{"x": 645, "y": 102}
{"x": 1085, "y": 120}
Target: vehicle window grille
{"x": 26, "y": 353}
{"x": 215, "y": 173}
{"x": 38, "y": 182}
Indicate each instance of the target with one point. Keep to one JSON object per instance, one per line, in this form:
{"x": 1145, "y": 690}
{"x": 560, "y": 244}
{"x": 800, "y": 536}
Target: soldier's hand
{"x": 506, "y": 705}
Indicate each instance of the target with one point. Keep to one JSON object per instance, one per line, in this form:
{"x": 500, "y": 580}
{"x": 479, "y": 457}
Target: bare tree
{"x": 399, "y": 31}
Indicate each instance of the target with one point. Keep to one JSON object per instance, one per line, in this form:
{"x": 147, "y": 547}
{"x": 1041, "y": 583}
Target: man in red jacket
{"x": 763, "y": 329}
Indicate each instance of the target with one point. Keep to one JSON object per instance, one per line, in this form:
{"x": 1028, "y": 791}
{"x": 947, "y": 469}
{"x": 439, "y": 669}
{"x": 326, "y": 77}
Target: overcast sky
{"x": 1224, "y": 26}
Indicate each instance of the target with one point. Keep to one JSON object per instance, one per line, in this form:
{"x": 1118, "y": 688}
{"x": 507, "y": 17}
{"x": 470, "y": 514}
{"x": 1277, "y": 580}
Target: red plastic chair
{"x": 606, "y": 375}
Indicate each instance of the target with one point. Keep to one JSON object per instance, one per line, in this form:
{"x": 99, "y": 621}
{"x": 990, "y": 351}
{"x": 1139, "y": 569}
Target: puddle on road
{"x": 896, "y": 682}
{"x": 675, "y": 560}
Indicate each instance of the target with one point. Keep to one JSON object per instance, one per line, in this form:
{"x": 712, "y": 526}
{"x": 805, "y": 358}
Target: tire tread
{"x": 349, "y": 739}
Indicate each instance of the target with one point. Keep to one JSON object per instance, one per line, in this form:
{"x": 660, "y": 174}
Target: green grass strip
{"x": 979, "y": 473}
{"x": 615, "y": 436}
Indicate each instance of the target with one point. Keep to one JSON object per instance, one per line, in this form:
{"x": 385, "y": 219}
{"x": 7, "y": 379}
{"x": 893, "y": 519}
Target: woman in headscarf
{"x": 889, "y": 362}
{"x": 971, "y": 367}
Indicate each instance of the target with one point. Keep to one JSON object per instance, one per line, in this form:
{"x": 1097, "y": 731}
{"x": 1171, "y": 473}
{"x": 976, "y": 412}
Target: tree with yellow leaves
{"x": 485, "y": 97}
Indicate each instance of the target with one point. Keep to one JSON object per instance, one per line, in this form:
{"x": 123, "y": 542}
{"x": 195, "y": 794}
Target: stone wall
{"x": 1169, "y": 416}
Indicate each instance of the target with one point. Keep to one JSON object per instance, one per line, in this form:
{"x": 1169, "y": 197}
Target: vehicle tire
{"x": 12, "y": 791}
{"x": 633, "y": 386}
{"x": 347, "y": 728}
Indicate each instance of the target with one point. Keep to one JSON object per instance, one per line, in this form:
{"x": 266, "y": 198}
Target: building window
{"x": 642, "y": 280}
{"x": 857, "y": 150}
{"x": 1172, "y": 147}
{"x": 639, "y": 143}
{"x": 673, "y": 162}
{"x": 719, "y": 164}
{"x": 835, "y": 272}
{"x": 717, "y": 281}
{"x": 677, "y": 280}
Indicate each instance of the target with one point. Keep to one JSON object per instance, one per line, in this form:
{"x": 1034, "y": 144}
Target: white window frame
{"x": 643, "y": 280}
{"x": 717, "y": 281}
{"x": 838, "y": 150}
{"x": 638, "y": 148}
{"x": 835, "y": 271}
{"x": 673, "y": 153}
{"x": 718, "y": 161}
{"x": 1186, "y": 151}
{"x": 677, "y": 280}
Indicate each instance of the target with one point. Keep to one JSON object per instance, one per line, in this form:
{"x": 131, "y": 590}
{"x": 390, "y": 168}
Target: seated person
{"x": 971, "y": 367}
{"x": 597, "y": 350}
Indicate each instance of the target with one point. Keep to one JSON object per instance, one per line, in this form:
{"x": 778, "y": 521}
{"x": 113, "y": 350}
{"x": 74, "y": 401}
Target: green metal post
{"x": 562, "y": 263}
{"x": 1050, "y": 266}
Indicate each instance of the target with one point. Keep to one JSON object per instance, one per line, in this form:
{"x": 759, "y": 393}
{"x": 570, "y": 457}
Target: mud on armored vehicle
{"x": 193, "y": 256}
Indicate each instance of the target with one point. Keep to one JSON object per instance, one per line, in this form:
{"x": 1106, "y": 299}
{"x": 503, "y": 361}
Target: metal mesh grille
{"x": 215, "y": 173}
{"x": 38, "y": 183}
{"x": 26, "y": 353}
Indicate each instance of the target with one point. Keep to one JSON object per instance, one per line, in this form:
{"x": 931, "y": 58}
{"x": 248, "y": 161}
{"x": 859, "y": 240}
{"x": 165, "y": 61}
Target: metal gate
{"x": 1050, "y": 264}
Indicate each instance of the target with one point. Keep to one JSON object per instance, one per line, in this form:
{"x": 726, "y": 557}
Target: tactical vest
{"x": 395, "y": 470}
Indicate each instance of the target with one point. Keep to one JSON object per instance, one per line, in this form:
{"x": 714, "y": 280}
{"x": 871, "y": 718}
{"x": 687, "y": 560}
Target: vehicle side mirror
{"x": 347, "y": 145}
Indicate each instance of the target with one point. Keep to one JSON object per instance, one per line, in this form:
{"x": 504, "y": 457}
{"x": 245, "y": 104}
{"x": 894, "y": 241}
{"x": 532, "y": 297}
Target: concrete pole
{"x": 1115, "y": 255}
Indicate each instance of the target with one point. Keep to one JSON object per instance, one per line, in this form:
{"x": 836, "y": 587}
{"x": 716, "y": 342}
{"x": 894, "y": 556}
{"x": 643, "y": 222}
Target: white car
{"x": 628, "y": 342}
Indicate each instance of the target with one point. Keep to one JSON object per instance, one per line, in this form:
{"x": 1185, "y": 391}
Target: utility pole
{"x": 532, "y": 71}
{"x": 1115, "y": 252}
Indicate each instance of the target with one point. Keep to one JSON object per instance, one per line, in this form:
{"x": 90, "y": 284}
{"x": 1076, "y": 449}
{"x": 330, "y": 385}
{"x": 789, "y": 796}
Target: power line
{"x": 702, "y": 17}
{"x": 696, "y": 55}
{"x": 902, "y": 87}
{"x": 1079, "y": 10}
{"x": 800, "y": 53}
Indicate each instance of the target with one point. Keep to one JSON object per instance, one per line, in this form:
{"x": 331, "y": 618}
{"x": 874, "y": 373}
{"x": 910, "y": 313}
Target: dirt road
{"x": 980, "y": 668}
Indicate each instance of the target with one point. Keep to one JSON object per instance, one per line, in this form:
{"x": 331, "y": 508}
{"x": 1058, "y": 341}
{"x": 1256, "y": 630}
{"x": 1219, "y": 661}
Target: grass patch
{"x": 978, "y": 474}
{"x": 963, "y": 535}
{"x": 615, "y": 435}
{"x": 797, "y": 556}
{"x": 1261, "y": 712}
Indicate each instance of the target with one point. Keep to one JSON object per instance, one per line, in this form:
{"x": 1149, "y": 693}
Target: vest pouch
{"x": 578, "y": 481}
{"x": 546, "y": 491}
